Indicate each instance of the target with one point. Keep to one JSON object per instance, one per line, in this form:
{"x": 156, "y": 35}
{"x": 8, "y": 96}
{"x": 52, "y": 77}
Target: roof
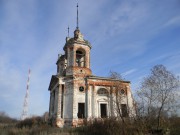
{"x": 54, "y": 80}
{"x": 106, "y": 78}
{"x": 71, "y": 41}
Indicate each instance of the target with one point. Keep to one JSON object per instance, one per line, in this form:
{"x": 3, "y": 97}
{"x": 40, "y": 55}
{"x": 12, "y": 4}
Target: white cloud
{"x": 175, "y": 21}
{"x": 129, "y": 72}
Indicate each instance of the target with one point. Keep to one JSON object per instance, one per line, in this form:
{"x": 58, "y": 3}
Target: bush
{"x": 31, "y": 122}
{"x": 4, "y": 118}
{"x": 107, "y": 127}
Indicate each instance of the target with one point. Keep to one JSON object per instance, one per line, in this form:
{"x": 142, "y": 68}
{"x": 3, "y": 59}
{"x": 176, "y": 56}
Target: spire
{"x": 77, "y": 27}
{"x": 67, "y": 38}
{"x": 68, "y": 31}
{"x": 77, "y": 33}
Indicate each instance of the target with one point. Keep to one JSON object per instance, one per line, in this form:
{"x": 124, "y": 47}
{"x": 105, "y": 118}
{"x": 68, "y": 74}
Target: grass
{"x": 94, "y": 127}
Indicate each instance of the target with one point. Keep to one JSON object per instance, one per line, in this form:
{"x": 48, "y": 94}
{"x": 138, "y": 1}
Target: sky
{"x": 127, "y": 36}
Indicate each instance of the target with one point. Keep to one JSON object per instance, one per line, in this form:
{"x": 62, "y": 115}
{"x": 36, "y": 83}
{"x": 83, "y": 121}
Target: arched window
{"x": 80, "y": 58}
{"x": 102, "y": 91}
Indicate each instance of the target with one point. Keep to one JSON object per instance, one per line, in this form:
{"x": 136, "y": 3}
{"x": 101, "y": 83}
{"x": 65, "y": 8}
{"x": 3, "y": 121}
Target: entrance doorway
{"x": 81, "y": 110}
{"x": 103, "y": 108}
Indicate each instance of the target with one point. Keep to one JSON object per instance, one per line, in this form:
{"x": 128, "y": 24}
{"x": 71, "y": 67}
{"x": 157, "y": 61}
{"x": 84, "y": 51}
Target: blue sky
{"x": 127, "y": 36}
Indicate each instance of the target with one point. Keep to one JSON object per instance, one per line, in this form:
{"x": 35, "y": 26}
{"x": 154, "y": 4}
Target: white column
{"x": 92, "y": 102}
{"x": 87, "y": 59}
{"x": 130, "y": 105}
{"x": 114, "y": 102}
{"x": 59, "y": 102}
{"x": 86, "y": 102}
{"x": 74, "y": 57}
{"x": 89, "y": 93}
{"x": 95, "y": 103}
{"x": 56, "y": 101}
{"x": 68, "y": 57}
{"x": 75, "y": 104}
{"x": 111, "y": 102}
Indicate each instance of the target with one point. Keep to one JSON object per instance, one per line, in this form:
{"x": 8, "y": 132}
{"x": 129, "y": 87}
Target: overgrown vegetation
{"x": 35, "y": 125}
{"x": 111, "y": 126}
{"x": 4, "y": 118}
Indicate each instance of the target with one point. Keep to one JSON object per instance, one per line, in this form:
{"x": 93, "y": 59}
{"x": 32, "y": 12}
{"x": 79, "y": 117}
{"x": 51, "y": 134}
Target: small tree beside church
{"x": 121, "y": 106}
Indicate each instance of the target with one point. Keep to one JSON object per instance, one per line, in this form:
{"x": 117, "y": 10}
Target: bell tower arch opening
{"x": 80, "y": 58}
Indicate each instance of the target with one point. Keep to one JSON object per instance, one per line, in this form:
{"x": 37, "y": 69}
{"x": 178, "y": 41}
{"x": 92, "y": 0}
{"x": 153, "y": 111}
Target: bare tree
{"x": 115, "y": 75}
{"x": 158, "y": 94}
{"x": 120, "y": 101}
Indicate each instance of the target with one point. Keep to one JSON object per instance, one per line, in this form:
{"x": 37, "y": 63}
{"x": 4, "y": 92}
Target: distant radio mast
{"x": 26, "y": 100}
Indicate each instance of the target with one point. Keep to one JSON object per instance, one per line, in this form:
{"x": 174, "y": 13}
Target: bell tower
{"x": 77, "y": 52}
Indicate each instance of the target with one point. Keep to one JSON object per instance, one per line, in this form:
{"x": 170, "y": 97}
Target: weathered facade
{"x": 76, "y": 94}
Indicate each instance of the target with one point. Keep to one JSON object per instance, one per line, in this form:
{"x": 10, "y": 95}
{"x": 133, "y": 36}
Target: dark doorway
{"x": 81, "y": 110}
{"x": 124, "y": 110}
{"x": 62, "y": 100}
{"x": 103, "y": 110}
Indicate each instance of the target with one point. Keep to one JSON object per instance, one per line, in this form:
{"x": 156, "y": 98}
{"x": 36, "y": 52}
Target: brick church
{"x": 76, "y": 94}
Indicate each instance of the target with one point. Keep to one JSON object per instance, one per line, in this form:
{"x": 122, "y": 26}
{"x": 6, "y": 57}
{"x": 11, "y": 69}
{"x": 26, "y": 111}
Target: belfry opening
{"x": 80, "y": 58}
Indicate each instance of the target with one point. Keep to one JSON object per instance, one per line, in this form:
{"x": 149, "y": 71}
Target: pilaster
{"x": 92, "y": 101}
{"x": 74, "y": 56}
{"x": 87, "y": 64}
{"x": 75, "y": 104}
{"x": 68, "y": 57}
{"x": 95, "y": 102}
{"x": 111, "y": 102}
{"x": 89, "y": 97}
{"x": 59, "y": 101}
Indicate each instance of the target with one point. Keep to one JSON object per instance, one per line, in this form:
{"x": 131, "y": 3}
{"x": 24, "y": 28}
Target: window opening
{"x": 81, "y": 88}
{"x": 124, "y": 110}
{"x": 81, "y": 110}
{"x": 122, "y": 91}
{"x": 103, "y": 108}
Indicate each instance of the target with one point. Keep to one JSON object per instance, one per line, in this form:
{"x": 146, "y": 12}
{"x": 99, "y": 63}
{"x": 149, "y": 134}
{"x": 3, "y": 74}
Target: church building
{"x": 76, "y": 94}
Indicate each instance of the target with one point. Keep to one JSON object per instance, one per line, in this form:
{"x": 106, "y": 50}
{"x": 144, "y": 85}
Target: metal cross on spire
{"x": 77, "y": 19}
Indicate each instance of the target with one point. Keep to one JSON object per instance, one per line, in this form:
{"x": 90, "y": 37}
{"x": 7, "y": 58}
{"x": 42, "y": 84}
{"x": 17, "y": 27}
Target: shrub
{"x": 31, "y": 122}
{"x": 107, "y": 127}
